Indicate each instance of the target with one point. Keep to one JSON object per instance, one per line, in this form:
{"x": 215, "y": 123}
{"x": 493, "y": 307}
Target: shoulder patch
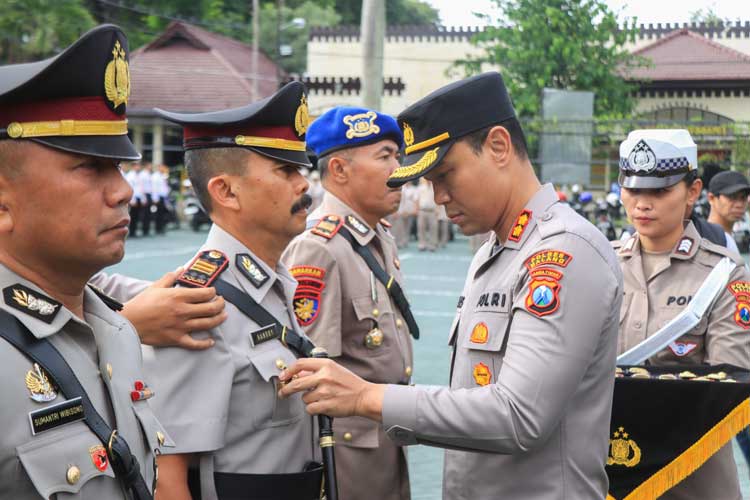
{"x": 741, "y": 292}
{"x": 549, "y": 258}
{"x": 250, "y": 268}
{"x": 516, "y": 232}
{"x": 386, "y": 224}
{"x": 357, "y": 225}
{"x": 205, "y": 268}
{"x": 328, "y": 226}
{"x": 113, "y": 304}
{"x": 31, "y": 302}
{"x": 544, "y": 291}
{"x": 307, "y": 296}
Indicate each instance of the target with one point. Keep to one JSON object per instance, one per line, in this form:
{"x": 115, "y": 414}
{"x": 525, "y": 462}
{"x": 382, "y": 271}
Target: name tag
{"x": 264, "y": 335}
{"x": 56, "y": 415}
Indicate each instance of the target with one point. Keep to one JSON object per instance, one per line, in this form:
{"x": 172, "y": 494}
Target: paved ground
{"x": 433, "y": 283}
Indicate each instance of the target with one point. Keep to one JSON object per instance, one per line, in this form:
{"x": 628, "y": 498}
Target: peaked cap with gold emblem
{"x": 434, "y": 123}
{"x": 74, "y": 101}
{"x": 274, "y": 126}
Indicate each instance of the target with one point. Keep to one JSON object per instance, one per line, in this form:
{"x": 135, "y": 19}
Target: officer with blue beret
{"x": 349, "y": 299}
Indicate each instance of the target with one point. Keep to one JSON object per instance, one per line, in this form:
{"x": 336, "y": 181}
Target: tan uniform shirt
{"x": 648, "y": 304}
{"x": 352, "y": 303}
{"x": 222, "y": 402}
{"x": 531, "y": 389}
{"x": 104, "y": 352}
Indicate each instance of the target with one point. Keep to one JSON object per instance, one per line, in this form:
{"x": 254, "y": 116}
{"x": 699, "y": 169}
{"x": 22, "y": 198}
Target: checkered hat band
{"x": 667, "y": 166}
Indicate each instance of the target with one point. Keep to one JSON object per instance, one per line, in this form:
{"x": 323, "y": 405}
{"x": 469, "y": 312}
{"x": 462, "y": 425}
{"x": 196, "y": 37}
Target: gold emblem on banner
{"x": 117, "y": 77}
{"x": 302, "y": 116}
{"x": 623, "y": 451}
{"x": 408, "y": 135}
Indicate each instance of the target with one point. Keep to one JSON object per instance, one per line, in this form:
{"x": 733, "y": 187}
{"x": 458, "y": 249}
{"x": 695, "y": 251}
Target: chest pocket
{"x": 269, "y": 359}
{"x": 483, "y": 339}
{"x": 62, "y": 462}
{"x": 369, "y": 314}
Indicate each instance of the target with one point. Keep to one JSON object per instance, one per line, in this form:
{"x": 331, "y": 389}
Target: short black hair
{"x": 476, "y": 139}
{"x": 204, "y": 164}
{"x": 324, "y": 160}
{"x": 690, "y": 177}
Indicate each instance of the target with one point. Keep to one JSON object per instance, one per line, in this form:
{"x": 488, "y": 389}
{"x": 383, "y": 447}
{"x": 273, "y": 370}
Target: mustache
{"x": 304, "y": 202}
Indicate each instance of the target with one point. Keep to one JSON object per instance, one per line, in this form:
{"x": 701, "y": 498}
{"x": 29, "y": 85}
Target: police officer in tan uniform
{"x": 664, "y": 264}
{"x": 235, "y": 438}
{"x": 535, "y": 335}
{"x": 64, "y": 119}
{"x": 340, "y": 302}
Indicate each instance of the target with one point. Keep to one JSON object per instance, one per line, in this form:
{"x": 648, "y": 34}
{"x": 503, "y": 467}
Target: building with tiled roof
{"x": 189, "y": 69}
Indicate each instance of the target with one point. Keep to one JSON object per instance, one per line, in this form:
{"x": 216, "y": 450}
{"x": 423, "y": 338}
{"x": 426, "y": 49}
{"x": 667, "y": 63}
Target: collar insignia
{"x": 204, "y": 269}
{"x": 685, "y": 245}
{"x": 361, "y": 125}
{"x": 356, "y": 224}
{"x": 40, "y": 388}
{"x": 251, "y": 269}
{"x": 408, "y": 135}
{"x": 302, "y": 116}
{"x": 117, "y": 77}
{"x": 642, "y": 158}
{"x": 31, "y": 302}
{"x": 520, "y": 226}
{"x": 328, "y": 226}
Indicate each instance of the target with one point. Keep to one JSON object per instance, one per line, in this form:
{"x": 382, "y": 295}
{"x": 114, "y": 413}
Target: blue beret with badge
{"x": 348, "y": 127}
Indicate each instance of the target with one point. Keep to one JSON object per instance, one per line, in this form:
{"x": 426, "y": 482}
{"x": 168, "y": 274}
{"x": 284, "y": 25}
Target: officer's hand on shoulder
{"x": 165, "y": 316}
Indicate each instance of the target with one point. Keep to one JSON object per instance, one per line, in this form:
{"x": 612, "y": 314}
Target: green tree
{"x": 34, "y": 29}
{"x": 562, "y": 44}
{"x": 396, "y": 11}
{"x": 708, "y": 16}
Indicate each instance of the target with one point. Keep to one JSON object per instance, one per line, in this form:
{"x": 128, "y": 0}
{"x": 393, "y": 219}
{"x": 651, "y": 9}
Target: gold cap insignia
{"x": 117, "y": 77}
{"x": 302, "y": 116}
{"x": 623, "y": 451}
{"x": 408, "y": 135}
{"x": 361, "y": 125}
{"x": 40, "y": 388}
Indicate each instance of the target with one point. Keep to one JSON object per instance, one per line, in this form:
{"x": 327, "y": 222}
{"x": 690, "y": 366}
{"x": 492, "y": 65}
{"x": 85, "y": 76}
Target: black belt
{"x": 296, "y": 486}
{"x": 41, "y": 351}
{"x": 394, "y": 289}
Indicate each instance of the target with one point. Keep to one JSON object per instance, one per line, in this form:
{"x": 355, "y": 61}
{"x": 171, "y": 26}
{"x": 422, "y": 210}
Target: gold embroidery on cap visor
{"x": 16, "y": 130}
{"x": 426, "y": 143}
{"x": 117, "y": 77}
{"x": 416, "y": 168}
{"x": 269, "y": 142}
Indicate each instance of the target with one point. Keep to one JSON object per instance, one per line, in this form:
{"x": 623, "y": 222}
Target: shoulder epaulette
{"x": 113, "y": 304}
{"x": 328, "y": 226}
{"x": 550, "y": 224}
{"x": 203, "y": 271}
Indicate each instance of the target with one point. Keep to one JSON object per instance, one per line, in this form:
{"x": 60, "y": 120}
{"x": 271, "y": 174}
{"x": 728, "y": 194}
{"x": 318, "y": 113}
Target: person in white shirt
{"x": 427, "y": 227}
{"x": 136, "y": 201}
{"x": 146, "y": 188}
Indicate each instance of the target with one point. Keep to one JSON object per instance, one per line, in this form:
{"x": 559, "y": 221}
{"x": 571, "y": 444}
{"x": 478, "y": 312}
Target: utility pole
{"x": 256, "y": 49}
{"x": 372, "y": 33}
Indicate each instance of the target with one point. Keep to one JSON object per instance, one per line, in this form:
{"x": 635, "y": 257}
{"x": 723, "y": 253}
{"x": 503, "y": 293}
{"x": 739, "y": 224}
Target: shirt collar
{"x": 685, "y": 248}
{"x": 331, "y": 204}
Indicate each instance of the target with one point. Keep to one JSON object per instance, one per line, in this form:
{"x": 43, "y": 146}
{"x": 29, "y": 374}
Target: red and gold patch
{"x": 480, "y": 333}
{"x": 307, "y": 296}
{"x": 547, "y": 258}
{"x": 519, "y": 227}
{"x": 741, "y": 292}
{"x": 482, "y": 374}
{"x": 204, "y": 269}
{"x": 99, "y": 457}
{"x": 328, "y": 226}
{"x": 544, "y": 289}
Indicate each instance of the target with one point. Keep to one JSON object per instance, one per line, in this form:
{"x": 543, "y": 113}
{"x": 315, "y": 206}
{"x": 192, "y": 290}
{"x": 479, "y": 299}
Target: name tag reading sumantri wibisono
{"x": 56, "y": 415}
{"x": 265, "y": 334}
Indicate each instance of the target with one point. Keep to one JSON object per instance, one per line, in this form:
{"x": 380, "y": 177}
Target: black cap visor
{"x": 117, "y": 147}
{"x": 649, "y": 181}
{"x": 298, "y": 158}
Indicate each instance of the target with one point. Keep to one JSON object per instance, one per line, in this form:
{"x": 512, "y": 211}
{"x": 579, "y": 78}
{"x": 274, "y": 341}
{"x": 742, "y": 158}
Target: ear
{"x": 711, "y": 197}
{"x": 6, "y": 216}
{"x": 339, "y": 170}
{"x": 499, "y": 146}
{"x": 223, "y": 192}
{"x": 694, "y": 191}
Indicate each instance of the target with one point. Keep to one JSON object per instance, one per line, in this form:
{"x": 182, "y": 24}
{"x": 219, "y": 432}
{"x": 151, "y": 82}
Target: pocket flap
{"x": 356, "y": 432}
{"x": 486, "y": 331}
{"x": 270, "y": 358}
{"x": 365, "y": 307}
{"x": 50, "y": 460}
{"x": 155, "y": 434}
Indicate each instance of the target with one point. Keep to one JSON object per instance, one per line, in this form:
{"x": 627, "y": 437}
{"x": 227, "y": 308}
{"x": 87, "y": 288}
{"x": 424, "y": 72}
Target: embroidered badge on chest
{"x": 251, "y": 269}
{"x": 357, "y": 225}
{"x": 328, "y": 226}
{"x": 544, "y": 289}
{"x": 204, "y": 269}
{"x": 482, "y": 374}
{"x": 307, "y": 296}
{"x": 741, "y": 292}
{"x": 516, "y": 232}
{"x": 682, "y": 348}
{"x": 99, "y": 457}
{"x": 31, "y": 302}
{"x": 480, "y": 333}
{"x": 39, "y": 385}
{"x": 548, "y": 258}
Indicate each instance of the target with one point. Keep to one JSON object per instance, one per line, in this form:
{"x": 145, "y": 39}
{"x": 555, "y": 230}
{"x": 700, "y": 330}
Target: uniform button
{"x": 280, "y": 364}
{"x": 399, "y": 323}
{"x": 160, "y": 437}
{"x": 637, "y": 325}
{"x": 347, "y": 436}
{"x": 375, "y": 312}
{"x": 546, "y": 216}
{"x": 109, "y": 371}
{"x": 408, "y": 371}
{"x": 73, "y": 474}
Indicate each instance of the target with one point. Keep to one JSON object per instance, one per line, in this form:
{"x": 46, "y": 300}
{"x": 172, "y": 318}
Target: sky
{"x": 459, "y": 12}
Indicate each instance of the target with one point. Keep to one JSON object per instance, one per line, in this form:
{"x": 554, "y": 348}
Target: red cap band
{"x": 74, "y": 108}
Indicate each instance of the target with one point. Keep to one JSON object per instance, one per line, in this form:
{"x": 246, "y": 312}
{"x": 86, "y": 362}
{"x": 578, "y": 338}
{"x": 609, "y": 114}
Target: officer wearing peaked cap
{"x": 235, "y": 438}
{"x": 535, "y": 332}
{"x": 669, "y": 260}
{"x": 76, "y": 414}
{"x": 341, "y": 301}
